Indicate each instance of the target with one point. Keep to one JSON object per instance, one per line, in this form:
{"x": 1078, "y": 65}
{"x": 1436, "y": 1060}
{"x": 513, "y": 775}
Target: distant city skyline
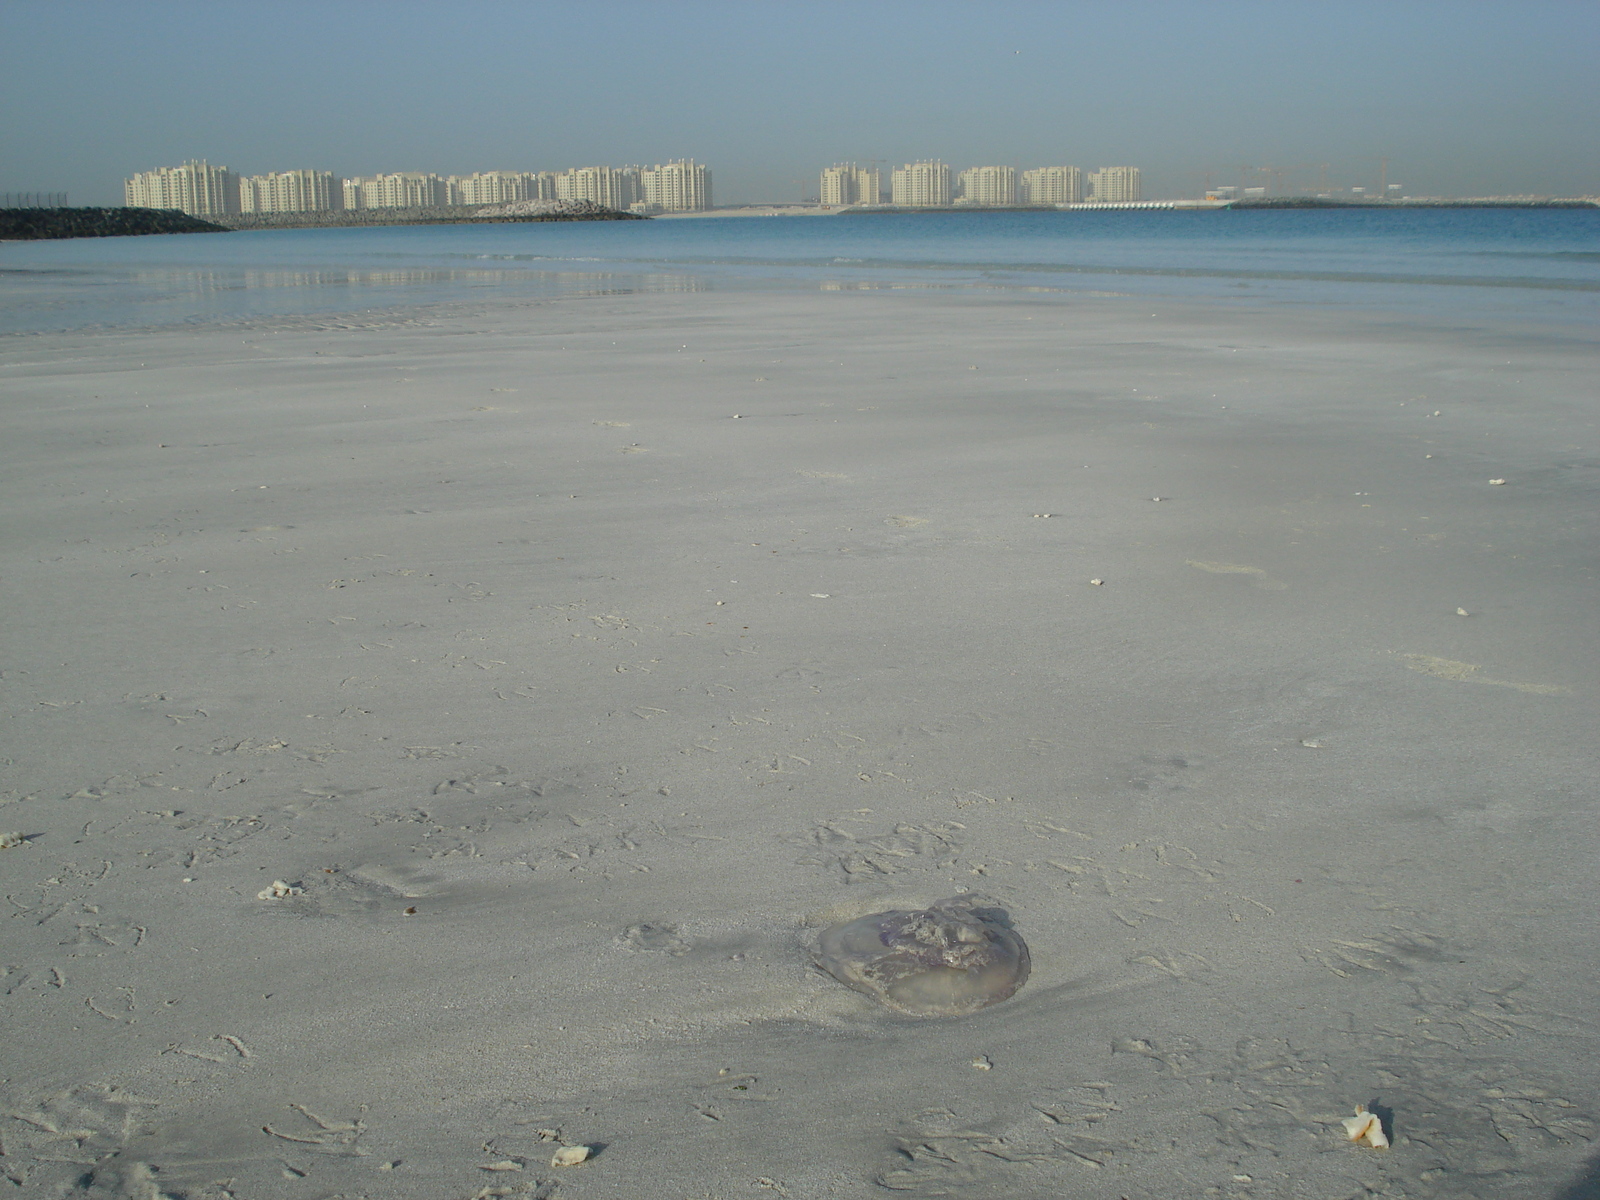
{"x": 202, "y": 189}
{"x": 1460, "y": 97}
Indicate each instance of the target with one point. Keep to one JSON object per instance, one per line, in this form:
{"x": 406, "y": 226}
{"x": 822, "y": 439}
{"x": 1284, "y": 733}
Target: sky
{"x": 1462, "y": 97}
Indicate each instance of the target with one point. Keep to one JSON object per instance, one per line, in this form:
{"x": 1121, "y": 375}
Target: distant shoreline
{"x": 1278, "y": 202}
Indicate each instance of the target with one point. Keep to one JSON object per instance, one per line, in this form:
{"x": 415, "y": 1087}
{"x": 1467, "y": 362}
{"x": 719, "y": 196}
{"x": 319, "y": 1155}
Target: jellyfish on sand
{"x": 951, "y": 958}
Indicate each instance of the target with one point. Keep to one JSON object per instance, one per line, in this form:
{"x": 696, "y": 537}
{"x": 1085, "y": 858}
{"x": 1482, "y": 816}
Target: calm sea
{"x": 1479, "y": 264}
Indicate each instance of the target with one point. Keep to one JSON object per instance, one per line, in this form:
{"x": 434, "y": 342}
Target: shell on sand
{"x": 951, "y": 958}
{"x": 1365, "y": 1127}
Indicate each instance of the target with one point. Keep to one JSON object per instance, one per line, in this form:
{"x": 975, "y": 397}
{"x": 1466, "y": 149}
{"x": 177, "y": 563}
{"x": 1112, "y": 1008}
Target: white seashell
{"x": 1496, "y": 482}
{"x": 1098, "y": 582}
{"x": 1366, "y": 1127}
{"x": 570, "y": 1156}
{"x": 1461, "y": 612}
{"x": 280, "y": 891}
{"x": 8, "y": 840}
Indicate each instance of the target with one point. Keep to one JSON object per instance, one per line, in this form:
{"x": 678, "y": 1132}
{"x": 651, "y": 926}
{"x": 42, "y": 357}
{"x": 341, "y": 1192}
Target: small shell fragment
{"x": 1461, "y": 612}
{"x": 1365, "y": 1127}
{"x": 1496, "y": 482}
{"x": 983, "y": 1063}
{"x": 280, "y": 891}
{"x": 570, "y": 1156}
{"x": 1098, "y": 582}
{"x": 8, "y": 840}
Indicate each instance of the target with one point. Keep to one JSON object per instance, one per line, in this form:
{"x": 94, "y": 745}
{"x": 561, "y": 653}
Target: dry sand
{"x": 574, "y": 663}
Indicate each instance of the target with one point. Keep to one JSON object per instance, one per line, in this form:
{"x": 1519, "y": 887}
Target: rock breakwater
{"x": 462, "y": 214}
{"x": 32, "y": 224}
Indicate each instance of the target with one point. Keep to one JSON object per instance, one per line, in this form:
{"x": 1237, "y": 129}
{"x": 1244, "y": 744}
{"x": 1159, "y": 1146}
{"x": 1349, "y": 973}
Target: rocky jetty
{"x": 31, "y": 224}
{"x": 463, "y": 214}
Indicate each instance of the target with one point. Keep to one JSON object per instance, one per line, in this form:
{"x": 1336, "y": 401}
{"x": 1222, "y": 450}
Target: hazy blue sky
{"x": 1464, "y": 97}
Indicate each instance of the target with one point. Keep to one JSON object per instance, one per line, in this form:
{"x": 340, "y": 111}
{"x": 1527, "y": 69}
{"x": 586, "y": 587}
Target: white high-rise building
{"x": 611, "y": 187}
{"x": 1114, "y": 185}
{"x": 496, "y": 187}
{"x": 290, "y": 191}
{"x": 1052, "y": 185}
{"x": 682, "y": 185}
{"x": 404, "y": 189}
{"x": 196, "y": 188}
{"x": 921, "y": 185}
{"x": 844, "y": 184}
{"x": 987, "y": 185}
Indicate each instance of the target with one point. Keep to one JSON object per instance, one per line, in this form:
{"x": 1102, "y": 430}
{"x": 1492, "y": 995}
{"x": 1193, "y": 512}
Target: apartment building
{"x": 502, "y": 187}
{"x": 290, "y": 191}
{"x": 987, "y": 185}
{"x": 404, "y": 189}
{"x": 844, "y": 184}
{"x": 1052, "y": 185}
{"x": 196, "y": 188}
{"x": 1114, "y": 185}
{"x": 921, "y": 185}
{"x": 613, "y": 187}
{"x": 682, "y": 185}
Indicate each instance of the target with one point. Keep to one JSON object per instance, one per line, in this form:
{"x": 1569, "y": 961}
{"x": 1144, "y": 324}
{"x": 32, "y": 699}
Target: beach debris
{"x": 1098, "y": 582}
{"x": 280, "y": 891}
{"x": 1157, "y": 499}
{"x": 1496, "y": 482}
{"x": 1461, "y": 612}
{"x": 1311, "y": 743}
{"x": 8, "y": 840}
{"x": 819, "y": 595}
{"x": 951, "y": 958}
{"x": 1043, "y": 516}
{"x": 569, "y": 1156}
{"x": 505, "y": 1164}
{"x": 983, "y": 1063}
{"x": 1366, "y": 1128}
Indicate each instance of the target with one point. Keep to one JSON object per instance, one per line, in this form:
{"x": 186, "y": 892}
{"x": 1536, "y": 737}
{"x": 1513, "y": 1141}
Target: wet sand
{"x": 575, "y": 664}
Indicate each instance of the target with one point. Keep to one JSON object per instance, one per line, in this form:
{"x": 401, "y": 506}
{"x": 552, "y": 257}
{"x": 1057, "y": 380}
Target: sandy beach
{"x": 574, "y": 664}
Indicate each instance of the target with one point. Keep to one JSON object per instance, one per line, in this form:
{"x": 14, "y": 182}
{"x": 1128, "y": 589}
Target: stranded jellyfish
{"x": 951, "y": 958}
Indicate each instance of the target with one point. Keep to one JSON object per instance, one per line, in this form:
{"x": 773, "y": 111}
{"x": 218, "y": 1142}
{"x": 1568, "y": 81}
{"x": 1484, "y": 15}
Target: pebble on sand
{"x": 570, "y": 1156}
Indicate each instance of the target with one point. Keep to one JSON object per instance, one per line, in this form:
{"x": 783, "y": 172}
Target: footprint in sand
{"x": 1447, "y": 668}
{"x": 1258, "y": 577}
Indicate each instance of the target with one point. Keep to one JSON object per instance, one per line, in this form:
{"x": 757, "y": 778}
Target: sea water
{"x": 1488, "y": 264}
